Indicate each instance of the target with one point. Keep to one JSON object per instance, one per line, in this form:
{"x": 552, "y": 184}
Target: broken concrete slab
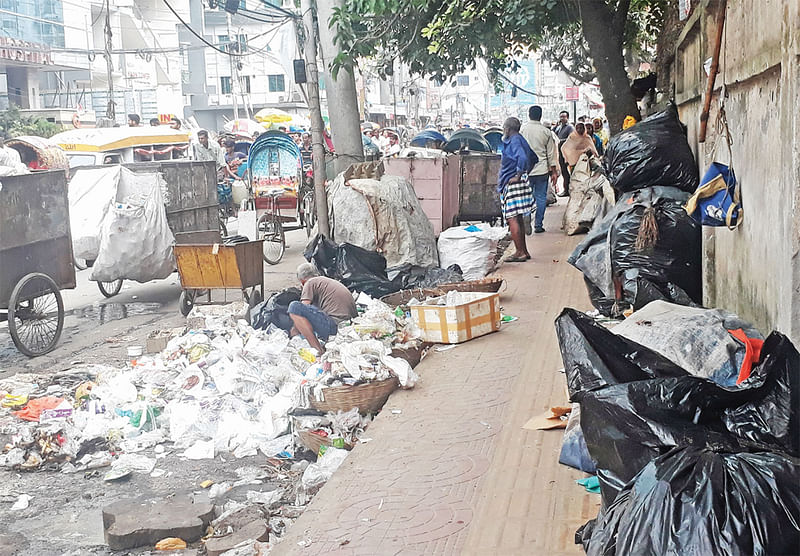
{"x": 253, "y": 531}
{"x": 143, "y": 522}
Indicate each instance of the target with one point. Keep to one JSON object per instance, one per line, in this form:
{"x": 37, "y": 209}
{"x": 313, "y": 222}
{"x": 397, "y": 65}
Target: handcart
{"x": 35, "y": 258}
{"x": 203, "y": 268}
{"x": 282, "y": 202}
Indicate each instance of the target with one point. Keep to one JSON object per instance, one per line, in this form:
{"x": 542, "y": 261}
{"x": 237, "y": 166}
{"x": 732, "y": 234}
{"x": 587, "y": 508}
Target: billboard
{"x": 524, "y": 77}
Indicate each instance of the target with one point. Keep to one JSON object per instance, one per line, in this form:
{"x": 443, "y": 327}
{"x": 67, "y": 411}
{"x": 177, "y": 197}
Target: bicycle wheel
{"x": 35, "y": 314}
{"x": 309, "y": 212}
{"x": 110, "y": 289}
{"x": 271, "y": 231}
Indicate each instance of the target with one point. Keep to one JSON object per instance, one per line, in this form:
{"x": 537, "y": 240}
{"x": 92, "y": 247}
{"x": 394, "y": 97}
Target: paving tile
{"x": 454, "y": 472}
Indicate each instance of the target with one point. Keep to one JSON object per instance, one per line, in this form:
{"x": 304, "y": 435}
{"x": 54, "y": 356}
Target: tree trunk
{"x": 603, "y": 31}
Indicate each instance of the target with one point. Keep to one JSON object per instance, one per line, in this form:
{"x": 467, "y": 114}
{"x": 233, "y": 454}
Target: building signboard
{"x": 21, "y": 51}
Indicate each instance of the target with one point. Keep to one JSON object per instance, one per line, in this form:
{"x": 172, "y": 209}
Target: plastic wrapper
{"x": 573, "y": 448}
{"x": 696, "y": 501}
{"x": 619, "y": 273}
{"x": 317, "y": 474}
{"x": 653, "y": 152}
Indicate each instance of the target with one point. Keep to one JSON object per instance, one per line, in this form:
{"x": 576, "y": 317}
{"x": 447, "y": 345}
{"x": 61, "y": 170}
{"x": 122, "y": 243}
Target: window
{"x": 276, "y": 83}
{"x": 225, "y": 85}
{"x": 246, "y": 83}
{"x": 462, "y": 80}
{"x": 223, "y": 41}
{"x": 238, "y": 45}
{"x": 242, "y": 42}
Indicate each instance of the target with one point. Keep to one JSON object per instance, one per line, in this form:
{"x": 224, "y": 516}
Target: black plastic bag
{"x": 636, "y": 405}
{"x": 653, "y": 152}
{"x": 696, "y": 501}
{"x": 275, "y": 310}
{"x": 357, "y": 268}
{"x": 622, "y": 271}
{"x": 408, "y": 276}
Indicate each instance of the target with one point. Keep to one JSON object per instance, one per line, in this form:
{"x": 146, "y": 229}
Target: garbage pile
{"x": 646, "y": 248}
{"x": 221, "y": 387}
{"x": 697, "y": 458}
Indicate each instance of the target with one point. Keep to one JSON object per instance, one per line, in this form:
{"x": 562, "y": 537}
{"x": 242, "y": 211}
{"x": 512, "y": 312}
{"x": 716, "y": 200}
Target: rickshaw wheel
{"x": 110, "y": 289}
{"x": 271, "y": 231}
{"x": 309, "y": 212}
{"x": 186, "y": 302}
{"x": 35, "y": 314}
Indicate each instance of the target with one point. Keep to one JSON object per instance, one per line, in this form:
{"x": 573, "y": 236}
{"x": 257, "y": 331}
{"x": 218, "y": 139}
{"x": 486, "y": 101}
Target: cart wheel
{"x": 271, "y": 231}
{"x": 110, "y": 289}
{"x": 309, "y": 212}
{"x": 186, "y": 302}
{"x": 35, "y": 314}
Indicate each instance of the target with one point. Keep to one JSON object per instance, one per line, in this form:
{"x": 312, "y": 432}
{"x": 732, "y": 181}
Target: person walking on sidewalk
{"x": 543, "y": 143}
{"x": 512, "y": 182}
{"x": 563, "y": 131}
{"x": 324, "y": 303}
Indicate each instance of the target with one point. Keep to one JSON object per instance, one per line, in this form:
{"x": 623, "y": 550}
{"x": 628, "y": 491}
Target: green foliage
{"x": 14, "y": 123}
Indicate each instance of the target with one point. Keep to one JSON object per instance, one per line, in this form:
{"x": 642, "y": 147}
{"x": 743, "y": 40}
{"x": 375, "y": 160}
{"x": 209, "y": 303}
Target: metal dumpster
{"x": 477, "y": 192}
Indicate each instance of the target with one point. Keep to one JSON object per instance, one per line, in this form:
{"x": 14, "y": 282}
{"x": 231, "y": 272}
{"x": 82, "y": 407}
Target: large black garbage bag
{"x": 275, "y": 310}
{"x": 621, "y": 271}
{"x": 636, "y": 404}
{"x": 696, "y": 501}
{"x": 653, "y": 152}
{"x": 408, "y": 276}
{"x": 357, "y": 268}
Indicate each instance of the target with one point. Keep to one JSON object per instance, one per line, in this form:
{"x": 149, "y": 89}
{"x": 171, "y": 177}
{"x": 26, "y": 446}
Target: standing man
{"x": 543, "y": 143}
{"x": 512, "y": 183}
{"x": 324, "y": 303}
{"x": 563, "y": 131}
{"x": 205, "y": 150}
{"x": 306, "y": 149}
{"x": 134, "y": 120}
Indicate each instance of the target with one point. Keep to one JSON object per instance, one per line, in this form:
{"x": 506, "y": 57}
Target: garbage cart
{"x": 216, "y": 266}
{"x": 35, "y": 258}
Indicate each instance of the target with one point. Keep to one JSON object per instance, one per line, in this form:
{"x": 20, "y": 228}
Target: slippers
{"x": 516, "y": 259}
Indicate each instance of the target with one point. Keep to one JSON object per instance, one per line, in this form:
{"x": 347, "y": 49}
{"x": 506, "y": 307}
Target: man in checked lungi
{"x": 512, "y": 184}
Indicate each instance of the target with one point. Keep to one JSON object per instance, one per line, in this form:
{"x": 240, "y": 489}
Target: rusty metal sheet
{"x": 478, "y": 197}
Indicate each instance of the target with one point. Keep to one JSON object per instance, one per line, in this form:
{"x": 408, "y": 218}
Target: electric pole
{"x": 308, "y": 40}
{"x": 110, "y": 109}
{"x": 233, "y": 69}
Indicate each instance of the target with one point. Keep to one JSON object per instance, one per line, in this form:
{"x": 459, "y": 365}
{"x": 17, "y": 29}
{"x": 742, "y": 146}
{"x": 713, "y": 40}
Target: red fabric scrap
{"x": 752, "y": 353}
{"x": 34, "y": 408}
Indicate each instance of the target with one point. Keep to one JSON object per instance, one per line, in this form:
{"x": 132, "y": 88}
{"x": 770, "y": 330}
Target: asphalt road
{"x": 97, "y": 329}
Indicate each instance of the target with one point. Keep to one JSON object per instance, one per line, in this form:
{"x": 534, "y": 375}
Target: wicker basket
{"x": 313, "y": 441}
{"x": 487, "y": 285}
{"x": 368, "y": 397}
{"x": 403, "y": 297}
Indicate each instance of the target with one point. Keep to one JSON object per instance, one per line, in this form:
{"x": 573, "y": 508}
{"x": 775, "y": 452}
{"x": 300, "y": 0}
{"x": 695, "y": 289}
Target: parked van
{"x": 117, "y": 145}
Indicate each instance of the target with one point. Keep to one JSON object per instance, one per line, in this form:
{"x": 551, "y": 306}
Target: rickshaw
{"x": 282, "y": 202}
{"x": 494, "y": 136}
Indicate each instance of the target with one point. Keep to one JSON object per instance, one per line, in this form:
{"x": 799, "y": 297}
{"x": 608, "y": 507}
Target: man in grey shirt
{"x": 543, "y": 142}
{"x": 562, "y": 131}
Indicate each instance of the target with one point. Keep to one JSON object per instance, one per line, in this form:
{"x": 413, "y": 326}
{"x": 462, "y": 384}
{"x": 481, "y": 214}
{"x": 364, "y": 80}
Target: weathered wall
{"x": 754, "y": 270}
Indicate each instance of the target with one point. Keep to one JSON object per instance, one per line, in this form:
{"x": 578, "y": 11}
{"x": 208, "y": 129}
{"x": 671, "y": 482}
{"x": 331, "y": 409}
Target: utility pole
{"x": 110, "y": 109}
{"x": 309, "y": 48}
{"x": 234, "y": 78}
{"x": 341, "y": 93}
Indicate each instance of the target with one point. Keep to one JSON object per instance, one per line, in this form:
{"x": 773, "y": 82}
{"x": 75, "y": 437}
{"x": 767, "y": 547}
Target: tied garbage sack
{"x": 698, "y": 340}
{"x": 275, "y": 310}
{"x": 636, "y": 404}
{"x": 646, "y": 248}
{"x": 473, "y": 248}
{"x": 356, "y": 268}
{"x": 697, "y": 501}
{"x": 136, "y": 242}
{"x": 653, "y": 152}
{"x": 589, "y": 196}
{"x": 91, "y": 193}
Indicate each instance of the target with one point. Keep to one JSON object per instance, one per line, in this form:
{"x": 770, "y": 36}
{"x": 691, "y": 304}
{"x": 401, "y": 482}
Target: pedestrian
{"x": 394, "y": 146}
{"x": 512, "y": 183}
{"x": 601, "y": 132}
{"x": 563, "y": 131}
{"x": 545, "y": 145}
{"x": 324, "y": 303}
{"x": 576, "y": 144}
{"x": 175, "y": 123}
{"x": 306, "y": 150}
{"x": 598, "y": 143}
{"x": 205, "y": 150}
{"x": 232, "y": 158}
{"x": 155, "y": 122}
{"x": 134, "y": 120}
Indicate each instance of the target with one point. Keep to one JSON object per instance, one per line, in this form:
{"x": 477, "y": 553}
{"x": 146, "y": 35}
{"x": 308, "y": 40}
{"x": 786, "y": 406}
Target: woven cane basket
{"x": 487, "y": 285}
{"x": 403, "y": 297}
{"x": 368, "y": 397}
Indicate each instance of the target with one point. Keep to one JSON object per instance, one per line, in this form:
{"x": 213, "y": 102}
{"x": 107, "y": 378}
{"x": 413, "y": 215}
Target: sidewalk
{"x": 454, "y": 472}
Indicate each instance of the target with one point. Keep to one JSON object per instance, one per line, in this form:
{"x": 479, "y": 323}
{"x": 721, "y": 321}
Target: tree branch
{"x": 620, "y": 17}
{"x": 583, "y": 77}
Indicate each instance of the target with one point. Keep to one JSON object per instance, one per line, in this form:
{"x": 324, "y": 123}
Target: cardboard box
{"x": 477, "y": 316}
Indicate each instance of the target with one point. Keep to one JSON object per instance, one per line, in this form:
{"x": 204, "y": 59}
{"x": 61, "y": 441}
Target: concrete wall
{"x": 754, "y": 270}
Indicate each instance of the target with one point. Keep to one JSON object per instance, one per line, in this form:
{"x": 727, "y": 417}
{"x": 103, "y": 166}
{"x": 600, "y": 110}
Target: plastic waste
{"x": 697, "y": 501}
{"x": 573, "y": 447}
{"x": 356, "y": 268}
{"x": 22, "y": 503}
{"x": 475, "y": 252}
{"x": 318, "y": 473}
{"x": 171, "y": 543}
{"x": 653, "y": 152}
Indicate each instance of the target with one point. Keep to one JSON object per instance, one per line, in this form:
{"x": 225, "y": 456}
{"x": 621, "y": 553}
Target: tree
{"x": 15, "y": 124}
{"x": 587, "y": 39}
